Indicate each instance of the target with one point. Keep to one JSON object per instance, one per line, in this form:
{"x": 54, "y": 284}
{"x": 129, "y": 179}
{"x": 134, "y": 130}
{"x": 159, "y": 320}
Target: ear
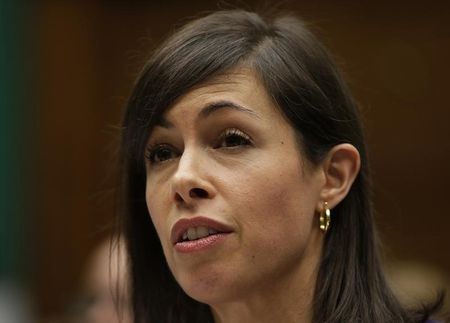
{"x": 340, "y": 168}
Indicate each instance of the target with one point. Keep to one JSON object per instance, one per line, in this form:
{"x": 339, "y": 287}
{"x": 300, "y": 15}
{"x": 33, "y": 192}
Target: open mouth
{"x": 197, "y": 228}
{"x": 197, "y": 233}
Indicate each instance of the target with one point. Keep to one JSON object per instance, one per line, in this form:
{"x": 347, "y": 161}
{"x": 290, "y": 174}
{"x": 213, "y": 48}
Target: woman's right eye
{"x": 161, "y": 153}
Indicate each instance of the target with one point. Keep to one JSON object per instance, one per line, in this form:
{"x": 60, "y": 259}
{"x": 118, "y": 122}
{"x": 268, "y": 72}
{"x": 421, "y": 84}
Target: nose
{"x": 191, "y": 181}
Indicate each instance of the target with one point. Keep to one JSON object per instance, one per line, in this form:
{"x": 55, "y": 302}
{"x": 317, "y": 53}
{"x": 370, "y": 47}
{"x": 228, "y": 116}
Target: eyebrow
{"x": 209, "y": 109}
{"x": 224, "y": 104}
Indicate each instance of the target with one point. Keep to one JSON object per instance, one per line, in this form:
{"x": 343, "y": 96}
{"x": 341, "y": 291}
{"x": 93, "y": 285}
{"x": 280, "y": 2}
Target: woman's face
{"x": 229, "y": 193}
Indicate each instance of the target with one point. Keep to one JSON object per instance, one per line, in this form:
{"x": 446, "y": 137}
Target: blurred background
{"x": 67, "y": 67}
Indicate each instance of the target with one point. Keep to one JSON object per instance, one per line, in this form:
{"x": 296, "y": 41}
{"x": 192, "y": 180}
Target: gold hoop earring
{"x": 325, "y": 218}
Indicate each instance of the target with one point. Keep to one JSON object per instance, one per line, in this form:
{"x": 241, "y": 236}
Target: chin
{"x": 207, "y": 287}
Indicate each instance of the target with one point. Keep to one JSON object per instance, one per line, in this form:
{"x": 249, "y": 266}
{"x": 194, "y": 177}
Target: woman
{"x": 246, "y": 182}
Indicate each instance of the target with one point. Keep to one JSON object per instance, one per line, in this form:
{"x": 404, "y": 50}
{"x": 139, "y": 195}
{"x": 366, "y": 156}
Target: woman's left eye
{"x": 231, "y": 138}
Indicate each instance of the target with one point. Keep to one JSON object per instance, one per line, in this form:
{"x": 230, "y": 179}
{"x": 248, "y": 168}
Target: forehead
{"x": 241, "y": 86}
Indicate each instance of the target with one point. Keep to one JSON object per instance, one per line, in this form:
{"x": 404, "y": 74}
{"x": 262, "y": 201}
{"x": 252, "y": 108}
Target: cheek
{"x": 156, "y": 208}
{"x": 279, "y": 202}
{"x": 277, "y": 189}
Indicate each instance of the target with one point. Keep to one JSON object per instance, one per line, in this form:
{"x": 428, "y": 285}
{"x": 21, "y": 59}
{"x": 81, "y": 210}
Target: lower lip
{"x": 200, "y": 244}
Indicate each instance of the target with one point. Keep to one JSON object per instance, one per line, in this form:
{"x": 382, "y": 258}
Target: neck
{"x": 288, "y": 299}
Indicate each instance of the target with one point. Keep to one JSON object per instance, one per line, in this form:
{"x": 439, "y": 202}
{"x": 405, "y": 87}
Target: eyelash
{"x": 244, "y": 139}
{"x": 153, "y": 151}
{"x": 241, "y": 139}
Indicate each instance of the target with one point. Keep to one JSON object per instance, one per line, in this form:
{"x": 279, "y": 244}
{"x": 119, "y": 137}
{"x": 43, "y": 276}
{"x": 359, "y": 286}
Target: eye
{"x": 160, "y": 153}
{"x": 231, "y": 138}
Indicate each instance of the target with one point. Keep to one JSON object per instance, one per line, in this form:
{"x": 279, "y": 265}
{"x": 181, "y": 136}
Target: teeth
{"x": 202, "y": 232}
{"x": 197, "y": 233}
{"x": 192, "y": 234}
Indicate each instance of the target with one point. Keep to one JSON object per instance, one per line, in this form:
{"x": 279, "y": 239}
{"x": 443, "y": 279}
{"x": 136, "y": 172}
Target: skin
{"x": 253, "y": 178}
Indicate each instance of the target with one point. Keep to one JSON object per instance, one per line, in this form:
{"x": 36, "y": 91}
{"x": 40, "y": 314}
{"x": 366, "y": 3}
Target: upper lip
{"x": 182, "y": 225}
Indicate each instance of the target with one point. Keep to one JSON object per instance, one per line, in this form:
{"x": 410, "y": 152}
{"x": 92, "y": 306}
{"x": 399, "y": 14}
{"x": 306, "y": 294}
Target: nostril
{"x": 198, "y": 192}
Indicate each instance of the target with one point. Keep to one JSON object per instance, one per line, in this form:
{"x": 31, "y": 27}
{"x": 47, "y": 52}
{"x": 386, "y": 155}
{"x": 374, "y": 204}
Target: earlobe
{"x": 340, "y": 167}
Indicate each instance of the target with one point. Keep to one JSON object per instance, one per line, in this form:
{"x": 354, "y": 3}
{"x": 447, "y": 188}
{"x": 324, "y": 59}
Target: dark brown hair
{"x": 304, "y": 83}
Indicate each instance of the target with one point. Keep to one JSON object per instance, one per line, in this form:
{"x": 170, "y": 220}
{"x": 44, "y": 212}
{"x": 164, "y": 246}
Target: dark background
{"x": 81, "y": 58}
